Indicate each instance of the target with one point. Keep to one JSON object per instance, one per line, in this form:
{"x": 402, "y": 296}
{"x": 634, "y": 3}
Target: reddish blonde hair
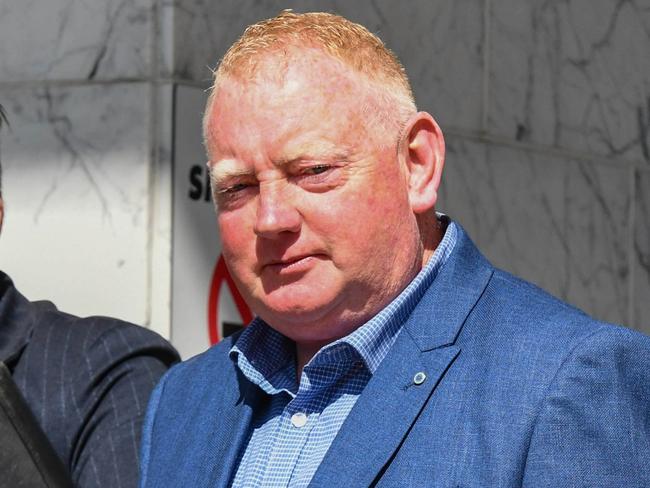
{"x": 340, "y": 38}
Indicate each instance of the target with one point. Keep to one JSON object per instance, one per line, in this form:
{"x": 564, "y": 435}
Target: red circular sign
{"x": 219, "y": 277}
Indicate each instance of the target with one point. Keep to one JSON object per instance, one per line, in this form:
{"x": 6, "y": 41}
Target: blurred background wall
{"x": 545, "y": 107}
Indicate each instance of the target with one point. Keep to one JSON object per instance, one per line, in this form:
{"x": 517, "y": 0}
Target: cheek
{"x": 234, "y": 234}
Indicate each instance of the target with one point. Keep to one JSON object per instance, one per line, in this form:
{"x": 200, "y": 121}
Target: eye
{"x": 317, "y": 176}
{"x": 234, "y": 188}
{"x": 317, "y": 169}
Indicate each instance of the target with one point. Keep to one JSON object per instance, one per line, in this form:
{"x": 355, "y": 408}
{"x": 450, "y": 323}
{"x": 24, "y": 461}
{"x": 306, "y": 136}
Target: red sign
{"x": 221, "y": 276}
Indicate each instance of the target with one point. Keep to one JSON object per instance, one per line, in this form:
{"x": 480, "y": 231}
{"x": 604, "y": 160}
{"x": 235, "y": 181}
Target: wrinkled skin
{"x": 315, "y": 207}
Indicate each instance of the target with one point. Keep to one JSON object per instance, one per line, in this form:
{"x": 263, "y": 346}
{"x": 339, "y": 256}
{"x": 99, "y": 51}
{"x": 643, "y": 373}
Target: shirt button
{"x": 299, "y": 419}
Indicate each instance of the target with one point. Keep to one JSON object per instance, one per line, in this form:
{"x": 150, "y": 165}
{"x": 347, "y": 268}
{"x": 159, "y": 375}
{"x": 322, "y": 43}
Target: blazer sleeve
{"x": 148, "y": 431}
{"x": 119, "y": 370}
{"x": 594, "y": 424}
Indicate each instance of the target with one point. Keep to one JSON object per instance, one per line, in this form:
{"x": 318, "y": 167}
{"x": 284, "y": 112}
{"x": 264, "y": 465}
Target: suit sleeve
{"x": 594, "y": 424}
{"x": 147, "y": 431}
{"x": 121, "y": 368}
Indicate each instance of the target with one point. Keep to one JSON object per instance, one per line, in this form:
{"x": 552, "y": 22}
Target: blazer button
{"x": 419, "y": 378}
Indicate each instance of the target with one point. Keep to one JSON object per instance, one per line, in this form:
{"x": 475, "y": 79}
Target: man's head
{"x": 288, "y": 34}
{"x": 324, "y": 175}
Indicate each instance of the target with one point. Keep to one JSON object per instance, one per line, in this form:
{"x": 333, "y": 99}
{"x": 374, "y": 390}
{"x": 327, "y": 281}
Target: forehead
{"x": 314, "y": 91}
{"x": 294, "y": 69}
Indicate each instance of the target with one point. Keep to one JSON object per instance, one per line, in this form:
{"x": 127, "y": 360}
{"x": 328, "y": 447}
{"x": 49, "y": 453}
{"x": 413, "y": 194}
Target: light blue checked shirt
{"x": 292, "y": 433}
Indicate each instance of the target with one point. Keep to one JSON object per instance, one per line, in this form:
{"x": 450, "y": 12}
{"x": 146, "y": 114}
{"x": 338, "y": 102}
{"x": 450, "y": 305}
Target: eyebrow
{"x": 225, "y": 169}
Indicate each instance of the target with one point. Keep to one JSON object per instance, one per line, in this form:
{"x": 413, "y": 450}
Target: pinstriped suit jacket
{"x": 87, "y": 381}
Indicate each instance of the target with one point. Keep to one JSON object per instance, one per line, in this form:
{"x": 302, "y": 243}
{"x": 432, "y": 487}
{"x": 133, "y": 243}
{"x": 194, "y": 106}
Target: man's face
{"x": 313, "y": 206}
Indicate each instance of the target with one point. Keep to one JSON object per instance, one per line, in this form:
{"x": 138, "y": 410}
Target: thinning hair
{"x": 340, "y": 38}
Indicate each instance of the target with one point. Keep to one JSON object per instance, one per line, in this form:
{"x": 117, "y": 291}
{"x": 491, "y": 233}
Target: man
{"x": 386, "y": 350}
{"x": 86, "y": 380}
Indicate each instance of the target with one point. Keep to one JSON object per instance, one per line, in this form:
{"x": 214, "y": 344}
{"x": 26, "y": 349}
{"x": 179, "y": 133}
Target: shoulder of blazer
{"x": 96, "y": 338}
{"x": 197, "y": 374}
{"x": 524, "y": 309}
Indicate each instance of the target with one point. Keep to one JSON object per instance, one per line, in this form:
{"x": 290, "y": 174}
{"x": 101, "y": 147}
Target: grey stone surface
{"x": 598, "y": 199}
{"x": 74, "y": 39}
{"x": 562, "y": 224}
{"x": 572, "y": 74}
{"x": 512, "y": 205}
{"x": 76, "y": 191}
{"x": 88, "y": 164}
{"x": 641, "y": 252}
{"x": 439, "y": 42}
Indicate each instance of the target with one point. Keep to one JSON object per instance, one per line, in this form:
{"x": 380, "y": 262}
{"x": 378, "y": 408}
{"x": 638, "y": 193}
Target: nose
{"x": 276, "y": 212}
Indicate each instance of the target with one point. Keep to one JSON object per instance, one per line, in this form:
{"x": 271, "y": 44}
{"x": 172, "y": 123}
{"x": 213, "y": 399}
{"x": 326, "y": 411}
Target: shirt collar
{"x": 267, "y": 358}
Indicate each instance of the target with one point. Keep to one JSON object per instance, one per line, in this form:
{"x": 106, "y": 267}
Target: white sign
{"x": 205, "y": 303}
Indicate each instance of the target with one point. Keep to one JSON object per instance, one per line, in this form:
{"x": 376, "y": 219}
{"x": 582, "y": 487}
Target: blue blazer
{"x": 521, "y": 390}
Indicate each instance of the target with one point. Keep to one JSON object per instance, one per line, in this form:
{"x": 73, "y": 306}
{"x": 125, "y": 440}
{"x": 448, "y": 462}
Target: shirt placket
{"x": 295, "y": 426}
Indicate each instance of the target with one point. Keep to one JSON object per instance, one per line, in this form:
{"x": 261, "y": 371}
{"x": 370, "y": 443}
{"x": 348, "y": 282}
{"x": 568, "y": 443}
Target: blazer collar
{"x": 441, "y": 313}
{"x": 17, "y": 318}
{"x": 393, "y": 399}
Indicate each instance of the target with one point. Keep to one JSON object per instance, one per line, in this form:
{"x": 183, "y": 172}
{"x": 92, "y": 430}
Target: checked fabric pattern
{"x": 291, "y": 435}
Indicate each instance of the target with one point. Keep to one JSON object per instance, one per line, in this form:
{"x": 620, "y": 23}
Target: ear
{"x": 423, "y": 149}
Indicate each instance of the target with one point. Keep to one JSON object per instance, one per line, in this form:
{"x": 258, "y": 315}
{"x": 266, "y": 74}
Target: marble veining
{"x": 598, "y": 228}
{"x": 641, "y": 252}
{"x": 561, "y": 224}
{"x": 440, "y": 43}
{"x": 76, "y": 191}
{"x": 88, "y": 166}
{"x": 498, "y": 194}
{"x": 573, "y": 74}
{"x": 75, "y": 39}
{"x": 161, "y": 200}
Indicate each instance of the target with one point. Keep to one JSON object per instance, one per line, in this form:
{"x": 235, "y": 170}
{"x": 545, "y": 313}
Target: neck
{"x": 304, "y": 353}
{"x": 431, "y": 233}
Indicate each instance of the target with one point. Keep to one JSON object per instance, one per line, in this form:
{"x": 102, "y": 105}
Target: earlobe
{"x": 425, "y": 155}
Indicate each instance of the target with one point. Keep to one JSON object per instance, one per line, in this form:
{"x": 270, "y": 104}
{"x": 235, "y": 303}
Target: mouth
{"x": 294, "y": 264}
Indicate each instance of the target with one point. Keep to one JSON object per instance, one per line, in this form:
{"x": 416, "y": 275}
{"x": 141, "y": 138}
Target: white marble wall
{"x": 546, "y": 106}
{"x": 561, "y": 223}
{"x": 547, "y": 109}
{"x": 572, "y": 74}
{"x": 571, "y": 79}
{"x": 76, "y": 194}
{"x": 75, "y": 40}
{"x": 83, "y": 224}
{"x": 641, "y": 250}
{"x": 429, "y": 37}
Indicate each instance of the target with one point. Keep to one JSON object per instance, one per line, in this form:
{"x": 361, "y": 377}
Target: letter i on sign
{"x": 219, "y": 325}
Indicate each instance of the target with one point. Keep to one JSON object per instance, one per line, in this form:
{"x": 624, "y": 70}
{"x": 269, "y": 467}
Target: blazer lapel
{"x": 383, "y": 415}
{"x": 392, "y": 401}
{"x": 231, "y": 432}
{"x": 225, "y": 427}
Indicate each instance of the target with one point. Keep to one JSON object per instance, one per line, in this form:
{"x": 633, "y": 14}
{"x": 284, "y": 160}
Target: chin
{"x": 303, "y": 298}
{"x": 296, "y": 311}
{"x": 309, "y": 321}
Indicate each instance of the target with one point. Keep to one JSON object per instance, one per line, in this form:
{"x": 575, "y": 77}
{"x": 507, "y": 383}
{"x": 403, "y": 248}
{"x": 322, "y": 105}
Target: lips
{"x": 299, "y": 262}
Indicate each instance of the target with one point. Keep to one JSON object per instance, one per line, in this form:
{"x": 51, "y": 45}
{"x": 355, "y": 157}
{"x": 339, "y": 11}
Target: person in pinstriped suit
{"x": 86, "y": 380}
